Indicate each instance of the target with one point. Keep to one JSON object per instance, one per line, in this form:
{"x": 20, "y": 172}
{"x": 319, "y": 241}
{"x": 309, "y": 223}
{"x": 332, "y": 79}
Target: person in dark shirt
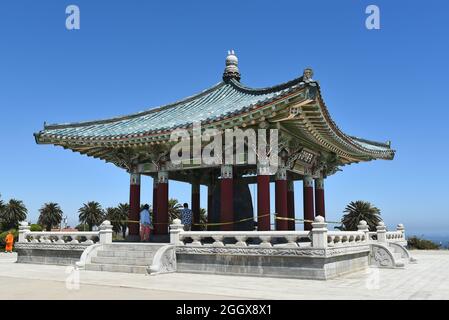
{"x": 186, "y": 217}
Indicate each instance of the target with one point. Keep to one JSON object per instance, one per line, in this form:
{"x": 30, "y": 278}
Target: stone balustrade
{"x": 372, "y": 235}
{"x": 395, "y": 236}
{"x": 318, "y": 237}
{"x": 104, "y": 235}
{"x": 262, "y": 239}
{"x": 342, "y": 238}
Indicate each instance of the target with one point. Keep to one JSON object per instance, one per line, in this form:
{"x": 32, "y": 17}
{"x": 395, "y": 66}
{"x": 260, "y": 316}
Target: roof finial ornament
{"x": 307, "y": 75}
{"x": 232, "y": 69}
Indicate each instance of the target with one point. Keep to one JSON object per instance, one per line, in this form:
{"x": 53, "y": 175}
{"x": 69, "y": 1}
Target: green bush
{"x": 3, "y": 236}
{"x": 36, "y": 227}
{"x": 422, "y": 244}
{"x": 82, "y": 227}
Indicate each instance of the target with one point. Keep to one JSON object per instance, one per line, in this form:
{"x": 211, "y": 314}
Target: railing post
{"x": 319, "y": 233}
{"x": 175, "y": 230}
{"x": 401, "y": 228}
{"x": 24, "y": 228}
{"x": 363, "y": 226}
{"x": 381, "y": 232}
{"x": 106, "y": 232}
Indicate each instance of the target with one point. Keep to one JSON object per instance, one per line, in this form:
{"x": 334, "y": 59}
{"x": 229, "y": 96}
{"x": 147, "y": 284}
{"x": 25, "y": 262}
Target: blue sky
{"x": 128, "y": 56}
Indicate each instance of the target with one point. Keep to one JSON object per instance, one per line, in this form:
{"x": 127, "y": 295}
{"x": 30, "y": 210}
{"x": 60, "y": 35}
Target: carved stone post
{"x": 106, "y": 232}
{"x": 175, "y": 230}
{"x": 319, "y": 233}
{"x": 381, "y": 232}
{"x": 24, "y": 228}
{"x": 363, "y": 226}
{"x": 401, "y": 228}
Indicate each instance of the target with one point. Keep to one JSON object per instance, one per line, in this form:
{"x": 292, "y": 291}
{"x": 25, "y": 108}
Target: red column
{"x": 210, "y": 203}
{"x": 161, "y": 226}
{"x": 263, "y": 200}
{"x": 281, "y": 199}
{"x": 291, "y": 204}
{"x": 309, "y": 213}
{"x": 134, "y": 206}
{"x": 227, "y": 198}
{"x": 155, "y": 197}
{"x": 196, "y": 205}
{"x": 319, "y": 198}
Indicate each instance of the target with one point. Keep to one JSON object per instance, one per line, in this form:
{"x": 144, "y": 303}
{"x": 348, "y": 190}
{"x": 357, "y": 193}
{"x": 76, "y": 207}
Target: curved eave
{"x": 316, "y": 124}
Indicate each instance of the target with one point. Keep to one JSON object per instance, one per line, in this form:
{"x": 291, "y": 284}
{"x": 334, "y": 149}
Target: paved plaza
{"x": 428, "y": 279}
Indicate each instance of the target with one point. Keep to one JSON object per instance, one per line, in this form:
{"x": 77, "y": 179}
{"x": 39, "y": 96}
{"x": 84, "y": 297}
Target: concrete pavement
{"x": 428, "y": 279}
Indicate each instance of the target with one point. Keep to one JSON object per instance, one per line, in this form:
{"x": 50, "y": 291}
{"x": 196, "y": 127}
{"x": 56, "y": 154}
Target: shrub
{"x": 82, "y": 227}
{"x": 36, "y": 227}
{"x": 422, "y": 244}
{"x": 3, "y": 236}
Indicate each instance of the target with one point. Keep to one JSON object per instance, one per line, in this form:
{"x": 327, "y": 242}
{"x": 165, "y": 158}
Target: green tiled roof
{"x": 227, "y": 99}
{"x": 222, "y": 100}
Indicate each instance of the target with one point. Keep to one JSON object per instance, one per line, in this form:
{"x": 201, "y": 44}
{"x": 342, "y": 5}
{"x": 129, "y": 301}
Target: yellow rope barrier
{"x": 227, "y": 223}
{"x": 303, "y": 220}
{"x": 233, "y": 222}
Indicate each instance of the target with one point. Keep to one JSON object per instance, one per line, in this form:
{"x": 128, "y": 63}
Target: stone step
{"x": 126, "y": 254}
{"x": 132, "y": 247}
{"x": 116, "y": 268}
{"x": 122, "y": 261}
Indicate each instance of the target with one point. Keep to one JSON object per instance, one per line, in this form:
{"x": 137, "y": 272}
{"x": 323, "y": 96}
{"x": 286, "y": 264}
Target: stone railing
{"x": 390, "y": 236}
{"x": 318, "y": 237}
{"x": 341, "y": 238}
{"x": 262, "y": 239}
{"x": 104, "y": 235}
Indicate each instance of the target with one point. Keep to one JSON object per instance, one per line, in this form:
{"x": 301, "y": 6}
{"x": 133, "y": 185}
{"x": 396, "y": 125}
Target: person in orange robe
{"x": 9, "y": 242}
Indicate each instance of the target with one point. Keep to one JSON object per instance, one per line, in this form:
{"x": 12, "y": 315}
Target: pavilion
{"x": 312, "y": 148}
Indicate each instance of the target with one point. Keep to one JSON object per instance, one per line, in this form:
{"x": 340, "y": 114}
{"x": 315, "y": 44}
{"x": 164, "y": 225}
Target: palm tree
{"x": 118, "y": 217}
{"x": 111, "y": 214}
{"x": 2, "y": 207}
{"x": 203, "y": 219}
{"x": 123, "y": 214}
{"x": 12, "y": 213}
{"x": 91, "y": 213}
{"x": 357, "y": 211}
{"x": 50, "y": 215}
{"x": 174, "y": 209}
